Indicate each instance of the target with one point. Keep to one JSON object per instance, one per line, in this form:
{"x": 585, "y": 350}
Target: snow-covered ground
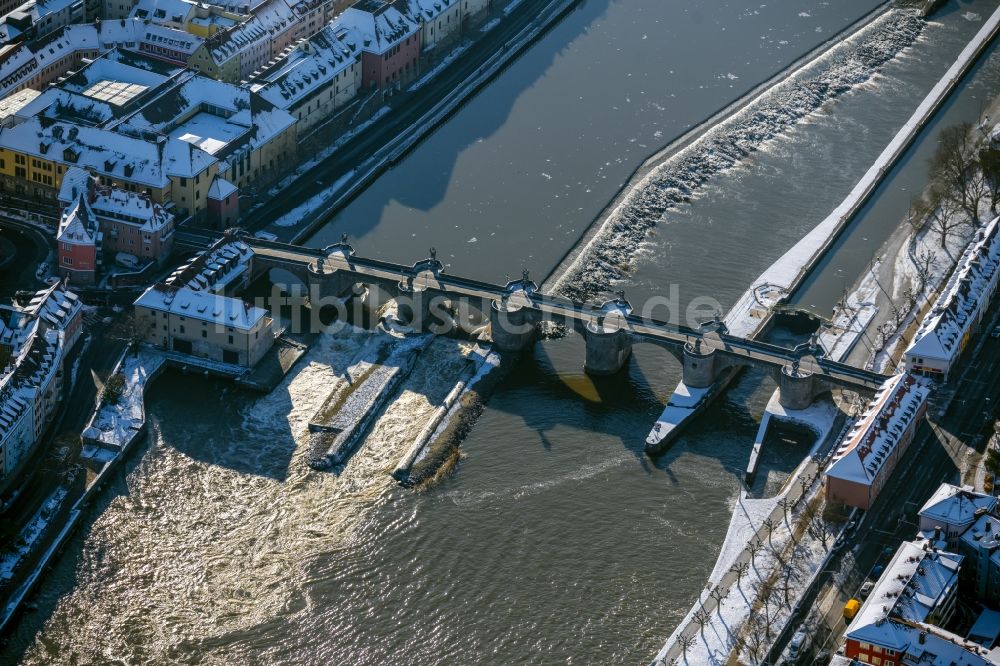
{"x": 25, "y": 541}
{"x": 115, "y": 423}
{"x": 782, "y": 549}
{"x": 313, "y": 203}
{"x": 452, "y": 56}
{"x": 682, "y": 405}
{"x": 924, "y": 259}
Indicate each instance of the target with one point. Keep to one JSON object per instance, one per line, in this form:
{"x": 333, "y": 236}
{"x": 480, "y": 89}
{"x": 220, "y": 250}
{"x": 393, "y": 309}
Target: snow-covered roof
{"x": 862, "y": 453}
{"x": 97, "y": 78}
{"x": 309, "y": 67}
{"x": 58, "y": 104}
{"x": 379, "y": 25}
{"x": 984, "y": 534}
{"x": 221, "y": 188}
{"x": 954, "y": 505}
{"x": 270, "y": 19}
{"x": 78, "y": 225}
{"x": 88, "y": 39}
{"x": 427, "y": 10}
{"x": 215, "y": 268}
{"x": 16, "y": 330}
{"x": 39, "y": 361}
{"x": 915, "y": 582}
{"x": 14, "y": 404}
{"x": 170, "y": 38}
{"x": 216, "y": 117}
{"x": 55, "y": 305}
{"x": 132, "y": 207}
{"x": 943, "y": 329}
{"x": 106, "y": 152}
{"x": 202, "y": 306}
{"x": 161, "y": 11}
{"x": 12, "y": 104}
{"x": 75, "y": 182}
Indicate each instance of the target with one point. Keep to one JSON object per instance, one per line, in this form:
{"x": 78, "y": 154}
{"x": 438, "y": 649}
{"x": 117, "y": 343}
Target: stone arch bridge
{"x": 610, "y": 328}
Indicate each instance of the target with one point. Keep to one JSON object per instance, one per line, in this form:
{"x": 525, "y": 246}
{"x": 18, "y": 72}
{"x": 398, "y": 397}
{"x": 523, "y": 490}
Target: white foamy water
{"x": 213, "y": 543}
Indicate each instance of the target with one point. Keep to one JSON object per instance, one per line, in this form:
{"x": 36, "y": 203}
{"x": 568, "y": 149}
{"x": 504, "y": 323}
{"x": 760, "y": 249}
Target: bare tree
{"x": 687, "y": 642}
{"x": 924, "y": 263}
{"x": 956, "y": 167}
{"x": 766, "y": 590}
{"x": 701, "y": 618}
{"x": 789, "y": 576}
{"x": 719, "y": 594}
{"x": 131, "y": 330}
{"x": 741, "y": 569}
{"x": 820, "y": 529}
{"x": 769, "y": 526}
{"x": 756, "y": 642}
{"x": 786, "y": 505}
{"x": 989, "y": 162}
{"x": 942, "y": 211}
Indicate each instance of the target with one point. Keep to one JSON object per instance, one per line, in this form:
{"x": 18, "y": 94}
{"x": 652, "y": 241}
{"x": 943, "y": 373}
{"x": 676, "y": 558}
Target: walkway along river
{"x": 557, "y": 539}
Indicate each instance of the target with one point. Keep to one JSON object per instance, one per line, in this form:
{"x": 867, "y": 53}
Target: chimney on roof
{"x": 922, "y": 638}
{"x": 937, "y": 532}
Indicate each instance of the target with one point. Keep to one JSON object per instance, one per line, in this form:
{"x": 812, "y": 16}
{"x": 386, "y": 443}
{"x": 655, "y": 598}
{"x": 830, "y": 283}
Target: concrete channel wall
{"x": 791, "y": 269}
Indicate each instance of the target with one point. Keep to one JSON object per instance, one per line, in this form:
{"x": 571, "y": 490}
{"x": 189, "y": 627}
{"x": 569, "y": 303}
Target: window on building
{"x": 68, "y": 261}
{"x": 182, "y": 328}
{"x": 204, "y": 334}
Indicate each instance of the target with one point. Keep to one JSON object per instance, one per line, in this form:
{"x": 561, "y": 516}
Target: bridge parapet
{"x": 342, "y": 248}
{"x": 430, "y": 265}
{"x": 524, "y": 285}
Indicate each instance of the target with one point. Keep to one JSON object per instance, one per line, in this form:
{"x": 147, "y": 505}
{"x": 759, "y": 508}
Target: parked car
{"x": 126, "y": 260}
{"x": 995, "y": 333}
{"x": 266, "y": 235}
{"x": 851, "y": 609}
{"x": 866, "y": 589}
{"x": 798, "y": 645}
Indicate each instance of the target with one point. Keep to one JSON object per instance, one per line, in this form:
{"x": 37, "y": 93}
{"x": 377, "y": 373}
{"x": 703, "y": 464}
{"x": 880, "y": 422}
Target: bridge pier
{"x": 512, "y": 327}
{"x": 797, "y": 388}
{"x": 608, "y": 347}
{"x": 699, "y": 366}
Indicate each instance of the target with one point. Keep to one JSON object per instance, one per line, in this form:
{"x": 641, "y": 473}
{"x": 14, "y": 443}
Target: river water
{"x": 556, "y": 540}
